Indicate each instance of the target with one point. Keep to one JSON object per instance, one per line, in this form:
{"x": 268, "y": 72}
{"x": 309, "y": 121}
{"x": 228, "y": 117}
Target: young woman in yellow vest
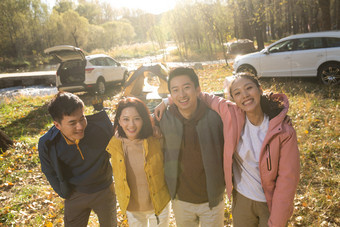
{"x": 137, "y": 163}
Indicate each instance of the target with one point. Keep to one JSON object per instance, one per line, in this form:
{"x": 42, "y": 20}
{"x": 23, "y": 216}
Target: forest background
{"x": 199, "y": 28}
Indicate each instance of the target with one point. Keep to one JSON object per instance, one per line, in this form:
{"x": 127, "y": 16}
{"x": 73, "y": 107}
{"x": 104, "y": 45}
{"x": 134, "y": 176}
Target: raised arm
{"x": 216, "y": 103}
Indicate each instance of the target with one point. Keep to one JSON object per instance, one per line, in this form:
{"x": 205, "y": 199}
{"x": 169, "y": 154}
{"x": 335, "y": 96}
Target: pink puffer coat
{"x": 279, "y": 158}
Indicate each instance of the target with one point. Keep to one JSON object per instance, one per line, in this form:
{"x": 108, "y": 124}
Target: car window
{"x": 333, "y": 42}
{"x": 100, "y": 62}
{"x": 282, "y": 46}
{"x": 309, "y": 43}
{"x": 70, "y": 64}
{"x": 93, "y": 61}
{"x": 111, "y": 62}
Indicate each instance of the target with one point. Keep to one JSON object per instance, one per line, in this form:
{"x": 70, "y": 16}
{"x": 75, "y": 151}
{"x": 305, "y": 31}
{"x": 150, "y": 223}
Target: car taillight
{"x": 89, "y": 70}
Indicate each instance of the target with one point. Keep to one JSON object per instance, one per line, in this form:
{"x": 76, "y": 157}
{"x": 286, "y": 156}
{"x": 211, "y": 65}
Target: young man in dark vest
{"x": 193, "y": 154}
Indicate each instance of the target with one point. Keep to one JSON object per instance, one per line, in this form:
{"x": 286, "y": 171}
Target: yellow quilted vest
{"x": 154, "y": 170}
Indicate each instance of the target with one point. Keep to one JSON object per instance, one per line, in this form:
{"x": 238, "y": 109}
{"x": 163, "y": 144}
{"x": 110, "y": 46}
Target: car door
{"x": 307, "y": 56}
{"x": 115, "y": 72}
{"x": 96, "y": 69}
{"x": 276, "y": 62}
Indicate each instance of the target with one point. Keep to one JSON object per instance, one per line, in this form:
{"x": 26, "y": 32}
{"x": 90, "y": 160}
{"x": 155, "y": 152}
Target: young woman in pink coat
{"x": 261, "y": 157}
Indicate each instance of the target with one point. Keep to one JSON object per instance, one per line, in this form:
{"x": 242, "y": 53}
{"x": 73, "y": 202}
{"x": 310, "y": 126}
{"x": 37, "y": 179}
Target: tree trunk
{"x": 236, "y": 24}
{"x": 260, "y": 25}
{"x": 259, "y": 39}
{"x": 288, "y": 19}
{"x": 272, "y": 22}
{"x": 324, "y": 5}
{"x": 337, "y": 14}
{"x": 293, "y": 16}
{"x": 279, "y": 16}
{"x": 245, "y": 31}
{"x": 5, "y": 142}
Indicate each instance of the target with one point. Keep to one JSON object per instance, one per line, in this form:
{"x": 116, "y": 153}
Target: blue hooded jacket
{"x": 66, "y": 170}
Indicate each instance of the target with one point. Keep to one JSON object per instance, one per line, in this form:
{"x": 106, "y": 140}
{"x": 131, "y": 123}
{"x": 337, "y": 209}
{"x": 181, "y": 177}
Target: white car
{"x": 302, "y": 55}
{"x": 78, "y": 72}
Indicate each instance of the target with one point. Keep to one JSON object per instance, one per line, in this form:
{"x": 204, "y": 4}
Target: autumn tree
{"x": 217, "y": 19}
{"x": 198, "y": 27}
{"x": 75, "y": 29}
{"x": 90, "y": 10}
{"x": 95, "y": 38}
{"x": 117, "y": 33}
{"x": 142, "y": 23}
{"x": 62, "y": 6}
{"x": 21, "y": 27}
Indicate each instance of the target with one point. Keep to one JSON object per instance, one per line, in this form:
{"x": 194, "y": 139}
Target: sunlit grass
{"x": 24, "y": 118}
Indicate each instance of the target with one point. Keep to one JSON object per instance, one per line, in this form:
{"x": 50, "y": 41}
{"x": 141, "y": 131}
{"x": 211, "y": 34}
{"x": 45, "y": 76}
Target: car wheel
{"x": 125, "y": 77}
{"x": 247, "y": 68}
{"x": 101, "y": 86}
{"x": 329, "y": 73}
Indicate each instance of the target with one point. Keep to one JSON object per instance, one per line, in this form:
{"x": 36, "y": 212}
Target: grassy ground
{"x": 27, "y": 199}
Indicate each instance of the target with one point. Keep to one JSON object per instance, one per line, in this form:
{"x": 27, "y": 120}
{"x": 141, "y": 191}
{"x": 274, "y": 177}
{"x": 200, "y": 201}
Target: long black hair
{"x": 270, "y": 106}
{"x": 143, "y": 111}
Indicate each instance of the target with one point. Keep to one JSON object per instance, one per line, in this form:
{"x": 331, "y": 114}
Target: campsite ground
{"x": 27, "y": 199}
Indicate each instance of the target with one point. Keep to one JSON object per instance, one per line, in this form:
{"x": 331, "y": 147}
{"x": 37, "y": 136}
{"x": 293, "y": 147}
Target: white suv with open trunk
{"x": 302, "y": 55}
{"x": 78, "y": 72}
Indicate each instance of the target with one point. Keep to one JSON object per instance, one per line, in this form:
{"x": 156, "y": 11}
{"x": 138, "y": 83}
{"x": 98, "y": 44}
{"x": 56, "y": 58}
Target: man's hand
{"x": 159, "y": 111}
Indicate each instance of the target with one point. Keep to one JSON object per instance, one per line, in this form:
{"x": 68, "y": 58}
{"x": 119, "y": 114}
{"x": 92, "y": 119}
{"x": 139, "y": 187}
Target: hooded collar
{"x": 197, "y": 115}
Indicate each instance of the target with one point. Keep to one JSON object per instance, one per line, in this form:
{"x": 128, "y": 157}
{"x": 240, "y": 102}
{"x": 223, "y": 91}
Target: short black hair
{"x": 64, "y": 104}
{"x": 143, "y": 111}
{"x": 180, "y": 71}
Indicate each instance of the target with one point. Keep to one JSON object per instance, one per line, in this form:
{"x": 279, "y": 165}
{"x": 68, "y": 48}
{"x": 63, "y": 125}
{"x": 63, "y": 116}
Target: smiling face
{"x": 184, "y": 94}
{"x": 73, "y": 126}
{"x": 246, "y": 95}
{"x": 131, "y": 122}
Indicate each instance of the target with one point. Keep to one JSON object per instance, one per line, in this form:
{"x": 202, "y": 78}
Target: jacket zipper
{"x": 269, "y": 160}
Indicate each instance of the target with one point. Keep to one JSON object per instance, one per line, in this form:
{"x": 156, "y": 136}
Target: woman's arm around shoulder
{"x": 226, "y": 109}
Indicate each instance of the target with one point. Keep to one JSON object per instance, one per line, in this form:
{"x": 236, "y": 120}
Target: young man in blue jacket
{"x": 75, "y": 162}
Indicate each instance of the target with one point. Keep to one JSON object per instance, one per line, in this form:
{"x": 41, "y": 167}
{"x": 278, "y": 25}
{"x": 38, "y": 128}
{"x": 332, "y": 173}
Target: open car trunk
{"x": 72, "y": 64}
{"x": 72, "y": 72}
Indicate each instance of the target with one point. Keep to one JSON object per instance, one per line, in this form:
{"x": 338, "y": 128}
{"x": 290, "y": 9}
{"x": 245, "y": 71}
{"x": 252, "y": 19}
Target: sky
{"x": 150, "y": 6}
